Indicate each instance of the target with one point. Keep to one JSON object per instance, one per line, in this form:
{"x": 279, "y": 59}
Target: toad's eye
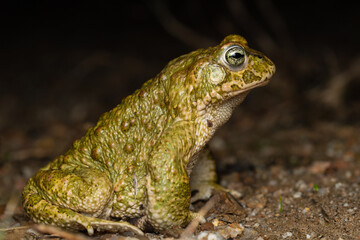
{"x": 234, "y": 57}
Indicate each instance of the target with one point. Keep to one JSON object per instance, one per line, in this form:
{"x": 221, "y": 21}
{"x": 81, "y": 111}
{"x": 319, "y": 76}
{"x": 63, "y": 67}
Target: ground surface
{"x": 292, "y": 149}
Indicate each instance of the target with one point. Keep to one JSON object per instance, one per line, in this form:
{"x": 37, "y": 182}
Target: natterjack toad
{"x": 143, "y": 158}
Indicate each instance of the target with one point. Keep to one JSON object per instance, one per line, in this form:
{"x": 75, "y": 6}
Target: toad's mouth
{"x": 265, "y": 80}
{"x": 251, "y": 86}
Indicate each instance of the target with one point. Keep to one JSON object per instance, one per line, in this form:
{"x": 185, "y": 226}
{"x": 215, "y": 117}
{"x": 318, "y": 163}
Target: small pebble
{"x": 287, "y": 234}
{"x": 297, "y": 195}
{"x": 231, "y": 231}
{"x": 351, "y": 210}
{"x": 206, "y": 235}
{"x": 301, "y": 185}
{"x": 306, "y": 210}
{"x": 323, "y": 191}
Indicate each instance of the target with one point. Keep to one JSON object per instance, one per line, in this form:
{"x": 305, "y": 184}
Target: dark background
{"x": 71, "y": 60}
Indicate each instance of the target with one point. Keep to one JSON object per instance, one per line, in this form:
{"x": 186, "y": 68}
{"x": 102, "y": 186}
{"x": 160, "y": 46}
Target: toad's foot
{"x": 41, "y": 210}
{"x": 68, "y": 218}
{"x": 203, "y": 178}
{"x": 110, "y": 226}
{"x": 204, "y": 190}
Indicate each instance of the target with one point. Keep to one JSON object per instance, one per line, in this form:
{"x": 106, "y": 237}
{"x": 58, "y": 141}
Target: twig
{"x": 178, "y": 29}
{"x": 190, "y": 229}
{"x": 58, "y": 232}
{"x": 251, "y": 25}
{"x": 276, "y": 23}
{"x": 332, "y": 94}
{"x": 12, "y": 204}
{"x": 9, "y": 229}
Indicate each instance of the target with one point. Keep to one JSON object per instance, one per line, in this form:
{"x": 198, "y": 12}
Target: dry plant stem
{"x": 251, "y": 25}
{"x": 190, "y": 229}
{"x": 13, "y": 228}
{"x": 332, "y": 94}
{"x": 276, "y": 23}
{"x": 12, "y": 204}
{"x": 58, "y": 232}
{"x": 178, "y": 29}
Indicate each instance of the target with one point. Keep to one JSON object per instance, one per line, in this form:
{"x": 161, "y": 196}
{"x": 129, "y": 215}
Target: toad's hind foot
{"x": 73, "y": 220}
{"x": 110, "y": 226}
{"x": 42, "y": 211}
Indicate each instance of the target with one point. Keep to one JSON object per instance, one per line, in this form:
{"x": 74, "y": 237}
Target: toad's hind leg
{"x": 203, "y": 178}
{"x": 73, "y": 200}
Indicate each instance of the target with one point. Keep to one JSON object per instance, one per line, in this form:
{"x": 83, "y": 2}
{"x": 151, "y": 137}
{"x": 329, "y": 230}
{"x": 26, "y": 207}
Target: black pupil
{"x": 237, "y": 55}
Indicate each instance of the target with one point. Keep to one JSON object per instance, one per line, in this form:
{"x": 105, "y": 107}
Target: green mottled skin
{"x": 140, "y": 159}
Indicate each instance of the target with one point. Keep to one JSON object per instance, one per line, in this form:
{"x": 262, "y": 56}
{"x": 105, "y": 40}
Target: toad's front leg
{"x": 168, "y": 186}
